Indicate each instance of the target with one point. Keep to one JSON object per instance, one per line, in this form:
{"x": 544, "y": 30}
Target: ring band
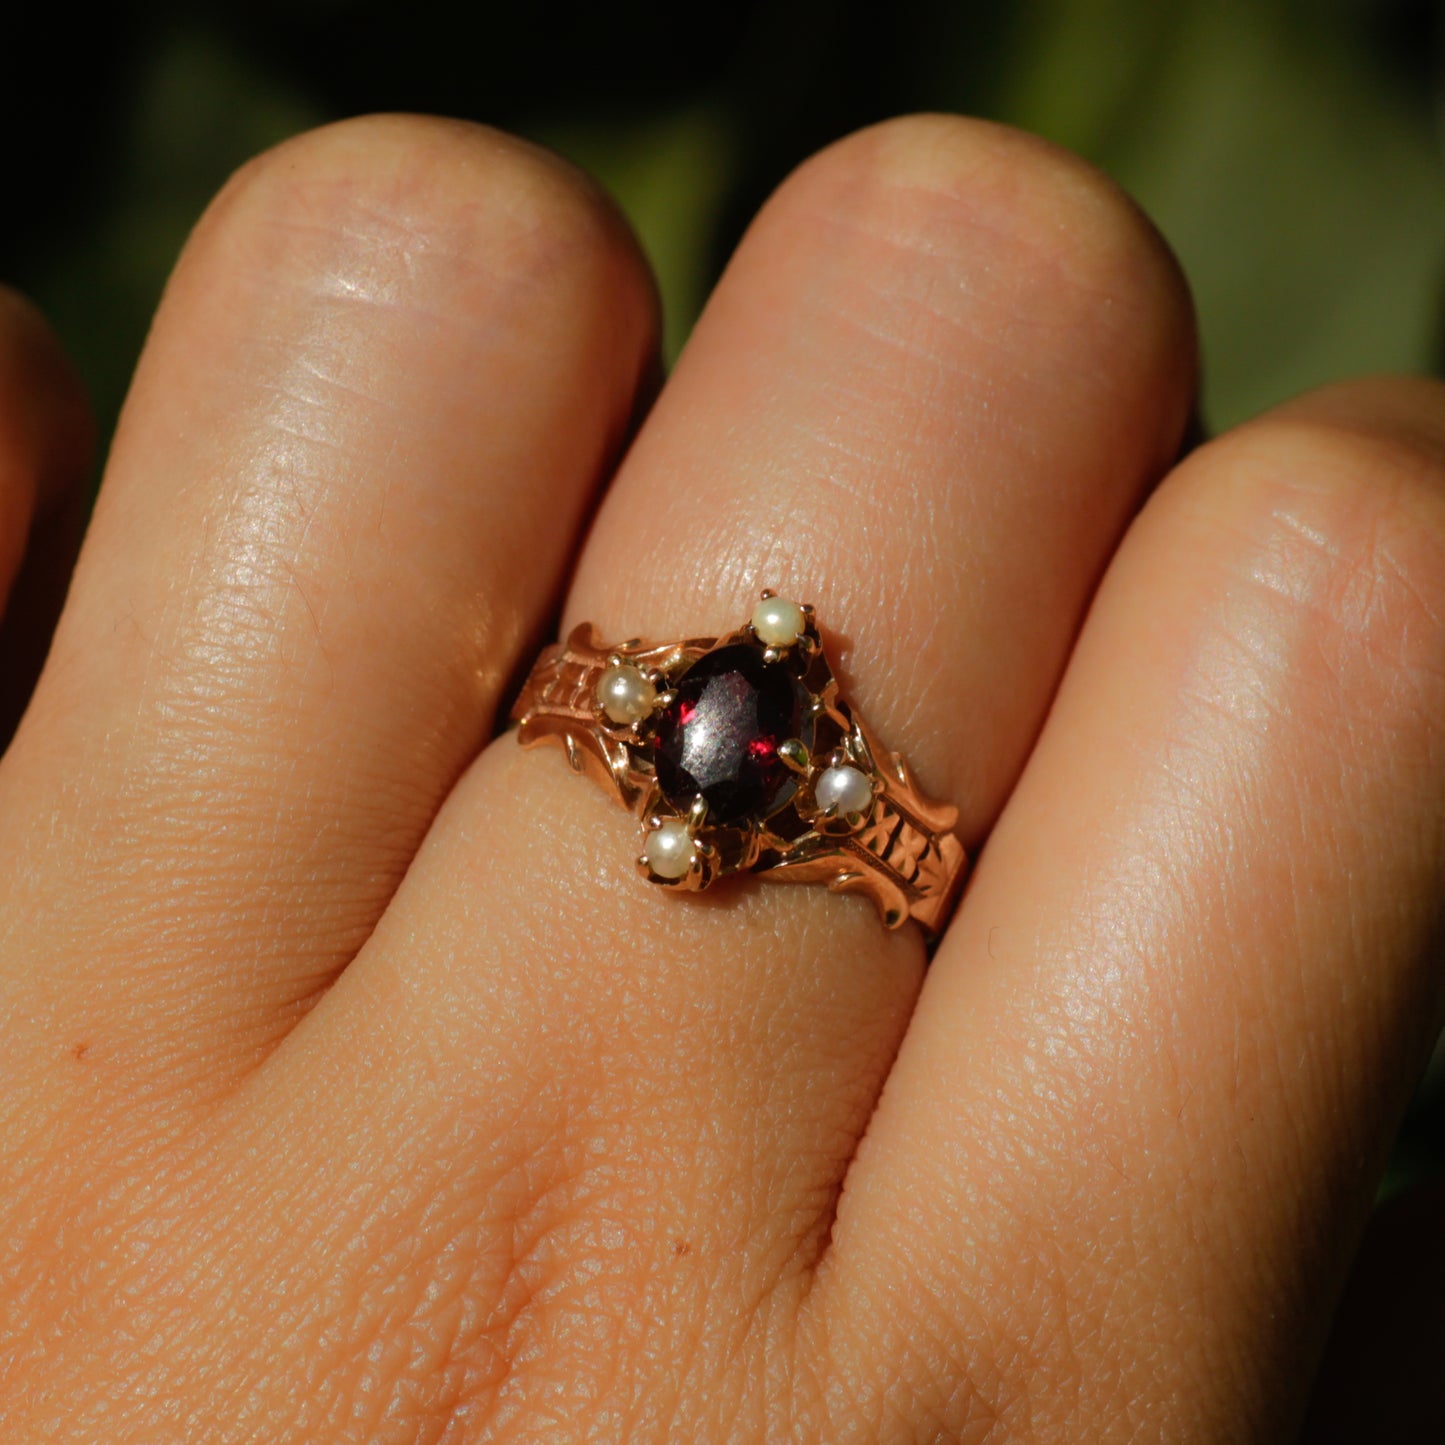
{"x": 739, "y": 755}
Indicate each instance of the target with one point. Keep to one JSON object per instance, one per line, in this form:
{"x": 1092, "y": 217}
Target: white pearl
{"x": 668, "y": 849}
{"x": 625, "y": 695}
{"x": 844, "y": 789}
{"x": 778, "y": 622}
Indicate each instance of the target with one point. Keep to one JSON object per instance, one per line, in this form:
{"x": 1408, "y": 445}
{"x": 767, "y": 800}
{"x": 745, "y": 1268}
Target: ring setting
{"x": 738, "y": 754}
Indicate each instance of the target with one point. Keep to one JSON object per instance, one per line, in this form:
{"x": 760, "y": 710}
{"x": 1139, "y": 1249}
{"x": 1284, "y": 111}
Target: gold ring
{"x": 739, "y": 755}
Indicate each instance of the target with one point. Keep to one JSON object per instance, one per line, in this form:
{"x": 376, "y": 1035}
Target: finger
{"x": 653, "y": 1098}
{"x": 46, "y": 437}
{"x": 1141, "y": 1109}
{"x": 388, "y": 373}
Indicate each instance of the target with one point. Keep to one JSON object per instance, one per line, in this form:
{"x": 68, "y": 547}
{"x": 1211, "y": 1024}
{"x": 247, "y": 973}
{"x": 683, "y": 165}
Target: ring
{"x": 739, "y": 755}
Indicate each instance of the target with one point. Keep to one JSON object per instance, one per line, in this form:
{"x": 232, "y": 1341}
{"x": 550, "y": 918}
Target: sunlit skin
{"x": 356, "y": 1087}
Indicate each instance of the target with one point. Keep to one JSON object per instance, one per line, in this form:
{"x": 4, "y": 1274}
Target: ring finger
{"x": 927, "y": 396}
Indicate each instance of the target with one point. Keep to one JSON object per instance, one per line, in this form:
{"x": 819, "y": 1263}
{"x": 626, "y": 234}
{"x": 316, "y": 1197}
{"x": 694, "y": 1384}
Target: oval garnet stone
{"x": 720, "y": 735}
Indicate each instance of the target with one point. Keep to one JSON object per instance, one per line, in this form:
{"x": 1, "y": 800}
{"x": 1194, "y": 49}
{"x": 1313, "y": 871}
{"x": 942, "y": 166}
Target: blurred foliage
{"x": 1296, "y": 174}
{"x": 1288, "y": 149}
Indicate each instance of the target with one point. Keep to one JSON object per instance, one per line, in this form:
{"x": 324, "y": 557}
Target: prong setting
{"x": 669, "y": 851}
{"x": 625, "y": 694}
{"x": 778, "y": 623}
{"x": 794, "y": 753}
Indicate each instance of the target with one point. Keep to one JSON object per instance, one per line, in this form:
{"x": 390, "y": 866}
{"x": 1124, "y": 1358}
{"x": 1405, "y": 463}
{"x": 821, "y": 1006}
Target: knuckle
{"x": 951, "y": 185}
{"x": 1342, "y": 523}
{"x": 377, "y": 198}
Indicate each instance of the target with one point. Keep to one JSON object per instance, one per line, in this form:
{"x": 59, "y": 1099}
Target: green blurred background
{"x": 1290, "y": 150}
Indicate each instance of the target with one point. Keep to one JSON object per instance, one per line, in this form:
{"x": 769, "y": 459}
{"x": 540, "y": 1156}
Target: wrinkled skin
{"x": 356, "y": 1089}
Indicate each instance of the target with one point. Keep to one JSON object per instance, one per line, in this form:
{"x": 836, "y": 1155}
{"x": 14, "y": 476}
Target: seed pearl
{"x": 668, "y": 849}
{"x": 778, "y": 622}
{"x": 843, "y": 789}
{"x": 625, "y": 695}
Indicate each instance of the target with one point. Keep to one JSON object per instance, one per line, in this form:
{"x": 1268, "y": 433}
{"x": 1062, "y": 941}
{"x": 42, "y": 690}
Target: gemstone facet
{"x": 719, "y": 737}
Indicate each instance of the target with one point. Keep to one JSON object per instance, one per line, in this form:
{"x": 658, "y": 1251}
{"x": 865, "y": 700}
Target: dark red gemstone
{"x": 719, "y": 737}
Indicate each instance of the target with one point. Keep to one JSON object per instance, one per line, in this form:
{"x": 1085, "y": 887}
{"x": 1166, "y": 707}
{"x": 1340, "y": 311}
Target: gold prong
{"x": 807, "y": 645}
{"x": 794, "y": 752}
{"x": 808, "y": 610}
{"x": 662, "y": 700}
{"x": 614, "y": 659}
{"x": 818, "y": 706}
{"x": 654, "y": 822}
{"x": 772, "y": 654}
{"x": 631, "y": 644}
{"x": 697, "y": 813}
{"x": 768, "y": 593}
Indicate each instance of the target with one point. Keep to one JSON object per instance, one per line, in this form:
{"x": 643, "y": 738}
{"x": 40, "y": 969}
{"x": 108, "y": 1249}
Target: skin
{"x": 355, "y": 1089}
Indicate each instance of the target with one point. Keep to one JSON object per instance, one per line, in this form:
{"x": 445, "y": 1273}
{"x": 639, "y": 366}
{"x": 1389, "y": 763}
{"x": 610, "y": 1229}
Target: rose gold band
{"x": 899, "y": 849}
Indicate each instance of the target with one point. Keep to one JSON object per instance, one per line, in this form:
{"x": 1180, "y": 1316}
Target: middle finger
{"x": 394, "y": 360}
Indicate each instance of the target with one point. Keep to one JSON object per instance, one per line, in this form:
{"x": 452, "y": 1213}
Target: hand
{"x": 355, "y": 1087}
